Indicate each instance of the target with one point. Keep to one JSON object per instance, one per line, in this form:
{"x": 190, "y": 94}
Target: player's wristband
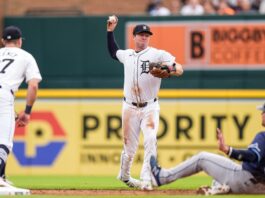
{"x": 28, "y": 109}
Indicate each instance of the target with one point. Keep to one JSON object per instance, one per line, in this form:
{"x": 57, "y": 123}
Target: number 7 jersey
{"x": 16, "y": 65}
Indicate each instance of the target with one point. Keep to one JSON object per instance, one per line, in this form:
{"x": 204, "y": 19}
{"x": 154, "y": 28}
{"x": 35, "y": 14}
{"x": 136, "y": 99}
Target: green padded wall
{"x": 72, "y": 53}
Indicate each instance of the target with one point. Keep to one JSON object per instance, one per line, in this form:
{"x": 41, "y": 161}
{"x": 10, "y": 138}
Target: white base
{"x": 13, "y": 191}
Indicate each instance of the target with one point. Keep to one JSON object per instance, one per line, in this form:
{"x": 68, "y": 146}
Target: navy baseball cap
{"x": 141, "y": 28}
{"x": 261, "y": 107}
{"x": 12, "y": 33}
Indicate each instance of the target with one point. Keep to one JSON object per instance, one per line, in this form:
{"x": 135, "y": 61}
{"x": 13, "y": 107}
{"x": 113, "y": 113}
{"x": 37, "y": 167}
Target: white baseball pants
{"x": 7, "y": 118}
{"x": 133, "y": 120}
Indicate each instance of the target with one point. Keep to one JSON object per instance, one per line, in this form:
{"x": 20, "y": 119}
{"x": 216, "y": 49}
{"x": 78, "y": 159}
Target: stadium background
{"x": 77, "y": 116}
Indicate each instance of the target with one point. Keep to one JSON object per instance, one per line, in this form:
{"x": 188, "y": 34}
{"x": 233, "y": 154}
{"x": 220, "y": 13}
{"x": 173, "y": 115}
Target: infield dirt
{"x": 113, "y": 192}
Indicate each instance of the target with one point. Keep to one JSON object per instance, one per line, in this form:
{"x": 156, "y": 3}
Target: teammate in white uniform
{"x": 15, "y": 65}
{"x": 140, "y": 107}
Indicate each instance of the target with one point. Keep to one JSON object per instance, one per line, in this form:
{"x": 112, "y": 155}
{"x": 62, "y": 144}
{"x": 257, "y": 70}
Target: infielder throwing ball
{"x": 15, "y": 66}
{"x": 247, "y": 178}
{"x": 144, "y": 67}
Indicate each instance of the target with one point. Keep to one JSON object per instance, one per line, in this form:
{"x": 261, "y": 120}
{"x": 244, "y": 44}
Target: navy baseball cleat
{"x": 155, "y": 169}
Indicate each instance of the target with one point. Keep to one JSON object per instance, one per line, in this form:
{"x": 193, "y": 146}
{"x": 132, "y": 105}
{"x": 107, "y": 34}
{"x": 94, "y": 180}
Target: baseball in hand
{"x": 112, "y": 19}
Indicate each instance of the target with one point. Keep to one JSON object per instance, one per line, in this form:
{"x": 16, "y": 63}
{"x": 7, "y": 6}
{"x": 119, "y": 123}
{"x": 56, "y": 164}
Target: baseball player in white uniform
{"x": 140, "y": 106}
{"x": 15, "y": 65}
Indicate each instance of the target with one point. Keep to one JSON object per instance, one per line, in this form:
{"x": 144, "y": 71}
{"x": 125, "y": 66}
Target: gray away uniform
{"x": 248, "y": 177}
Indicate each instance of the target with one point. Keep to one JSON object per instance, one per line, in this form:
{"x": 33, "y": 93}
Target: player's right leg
{"x": 131, "y": 132}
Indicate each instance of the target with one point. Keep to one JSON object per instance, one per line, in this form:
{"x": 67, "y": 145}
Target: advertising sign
{"x": 209, "y": 45}
{"x": 76, "y": 136}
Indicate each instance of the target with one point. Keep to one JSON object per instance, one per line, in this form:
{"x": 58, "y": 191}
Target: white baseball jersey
{"x": 139, "y": 84}
{"x": 15, "y": 65}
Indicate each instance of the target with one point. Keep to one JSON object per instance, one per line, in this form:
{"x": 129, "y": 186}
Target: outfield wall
{"x": 218, "y": 52}
{"x": 73, "y": 134}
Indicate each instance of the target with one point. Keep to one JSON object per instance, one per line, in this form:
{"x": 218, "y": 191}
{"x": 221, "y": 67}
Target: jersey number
{"x": 9, "y": 62}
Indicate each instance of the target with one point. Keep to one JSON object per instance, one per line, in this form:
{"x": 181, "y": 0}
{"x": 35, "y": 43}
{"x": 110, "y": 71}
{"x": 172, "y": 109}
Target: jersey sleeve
{"x": 112, "y": 45}
{"x": 121, "y": 55}
{"x": 32, "y": 71}
{"x": 258, "y": 145}
{"x": 166, "y": 58}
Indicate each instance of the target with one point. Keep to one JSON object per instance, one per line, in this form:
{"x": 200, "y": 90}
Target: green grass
{"x": 83, "y": 182}
{"x": 96, "y": 182}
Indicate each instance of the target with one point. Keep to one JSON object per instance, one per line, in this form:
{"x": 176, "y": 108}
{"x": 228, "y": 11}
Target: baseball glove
{"x": 159, "y": 70}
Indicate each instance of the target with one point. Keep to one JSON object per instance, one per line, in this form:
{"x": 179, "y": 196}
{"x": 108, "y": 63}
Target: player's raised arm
{"x": 112, "y": 22}
{"x": 112, "y": 45}
{"x": 247, "y": 155}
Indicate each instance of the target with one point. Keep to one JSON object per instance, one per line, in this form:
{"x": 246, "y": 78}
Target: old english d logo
{"x": 40, "y": 142}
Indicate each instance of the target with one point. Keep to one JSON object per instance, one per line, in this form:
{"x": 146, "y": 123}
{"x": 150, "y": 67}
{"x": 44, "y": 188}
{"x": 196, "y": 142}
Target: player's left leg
{"x": 149, "y": 126}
